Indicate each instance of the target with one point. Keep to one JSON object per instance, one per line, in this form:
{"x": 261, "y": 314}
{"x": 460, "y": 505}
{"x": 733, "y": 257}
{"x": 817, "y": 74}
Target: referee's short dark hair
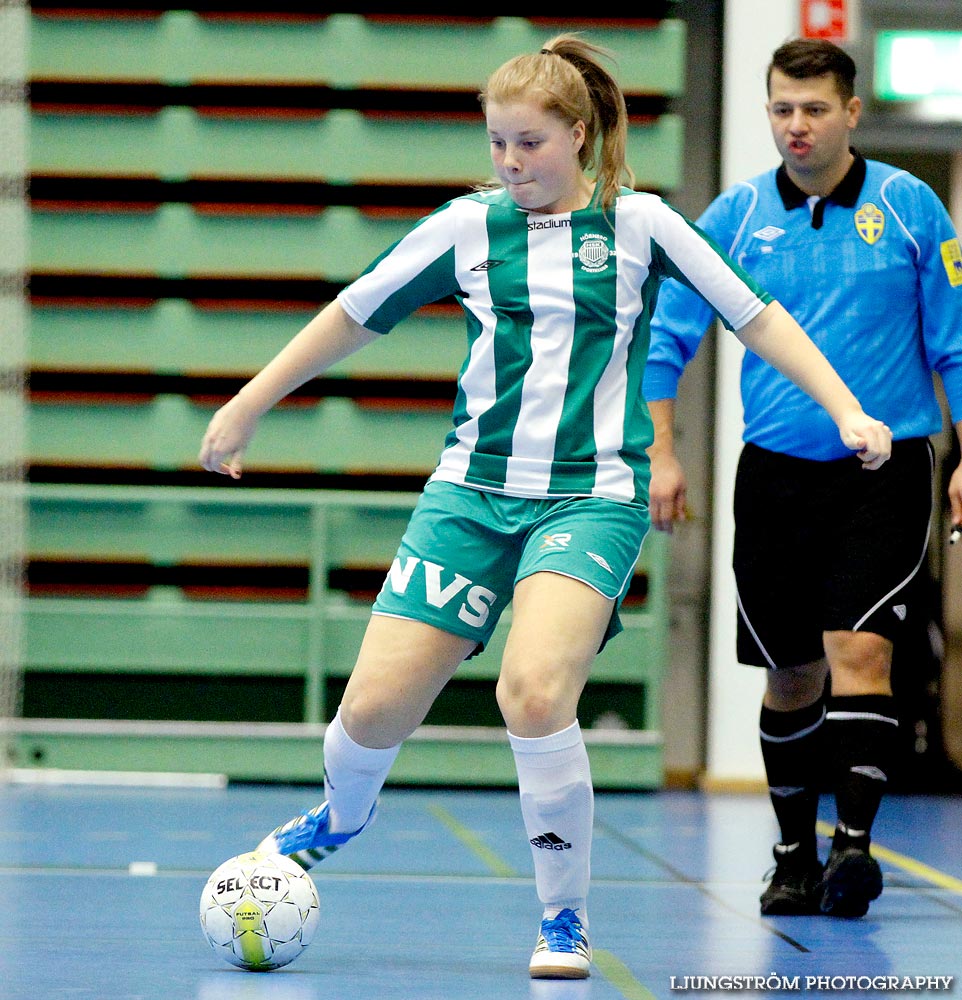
{"x": 803, "y": 58}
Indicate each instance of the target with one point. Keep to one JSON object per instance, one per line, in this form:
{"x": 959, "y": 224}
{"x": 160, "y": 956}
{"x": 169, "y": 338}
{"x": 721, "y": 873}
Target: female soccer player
{"x": 540, "y": 494}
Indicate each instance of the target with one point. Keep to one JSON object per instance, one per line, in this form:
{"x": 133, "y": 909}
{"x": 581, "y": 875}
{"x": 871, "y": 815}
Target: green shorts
{"x": 465, "y": 549}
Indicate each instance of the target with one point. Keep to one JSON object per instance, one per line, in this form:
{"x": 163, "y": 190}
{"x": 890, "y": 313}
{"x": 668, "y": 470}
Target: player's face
{"x": 535, "y": 156}
{"x": 811, "y": 125}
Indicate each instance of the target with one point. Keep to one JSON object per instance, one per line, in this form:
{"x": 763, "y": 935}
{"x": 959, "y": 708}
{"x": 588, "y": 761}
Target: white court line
{"x": 138, "y": 779}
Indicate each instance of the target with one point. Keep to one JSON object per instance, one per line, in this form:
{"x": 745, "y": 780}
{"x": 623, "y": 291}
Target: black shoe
{"x": 852, "y": 880}
{"x": 796, "y": 885}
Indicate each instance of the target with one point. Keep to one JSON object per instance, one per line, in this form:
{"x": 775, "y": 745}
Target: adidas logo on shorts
{"x": 550, "y": 842}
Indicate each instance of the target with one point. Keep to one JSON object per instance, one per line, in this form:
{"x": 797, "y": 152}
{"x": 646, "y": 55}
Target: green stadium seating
{"x": 175, "y": 336}
{"x": 305, "y": 636}
{"x": 341, "y": 146}
{"x": 343, "y": 50}
{"x": 202, "y": 182}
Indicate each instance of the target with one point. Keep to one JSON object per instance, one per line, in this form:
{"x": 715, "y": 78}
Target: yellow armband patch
{"x": 952, "y": 259}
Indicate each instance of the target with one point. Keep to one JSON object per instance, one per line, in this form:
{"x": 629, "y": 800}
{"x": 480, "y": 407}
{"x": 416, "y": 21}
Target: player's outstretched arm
{"x": 775, "y": 336}
{"x": 667, "y": 494}
{"x": 329, "y": 337}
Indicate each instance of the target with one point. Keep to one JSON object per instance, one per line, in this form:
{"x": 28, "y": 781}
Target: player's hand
{"x": 228, "y": 434}
{"x": 870, "y": 439}
{"x": 667, "y": 495}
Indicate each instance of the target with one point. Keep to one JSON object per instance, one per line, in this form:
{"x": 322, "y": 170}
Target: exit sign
{"x": 825, "y": 19}
{"x": 911, "y": 65}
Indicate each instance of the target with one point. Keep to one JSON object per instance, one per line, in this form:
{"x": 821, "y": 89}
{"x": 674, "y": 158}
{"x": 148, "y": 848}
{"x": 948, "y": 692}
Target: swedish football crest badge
{"x": 870, "y": 223}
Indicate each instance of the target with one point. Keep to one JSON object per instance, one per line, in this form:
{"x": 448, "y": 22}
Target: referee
{"x": 865, "y": 257}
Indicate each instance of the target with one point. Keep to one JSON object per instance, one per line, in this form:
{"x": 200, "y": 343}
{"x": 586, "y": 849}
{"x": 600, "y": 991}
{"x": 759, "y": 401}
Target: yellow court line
{"x": 619, "y": 975}
{"x": 918, "y": 868}
{"x": 473, "y": 842}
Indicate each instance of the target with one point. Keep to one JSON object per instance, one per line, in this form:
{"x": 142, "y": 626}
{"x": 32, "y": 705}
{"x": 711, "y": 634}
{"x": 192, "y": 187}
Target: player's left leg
{"x": 579, "y": 556}
{"x": 861, "y": 730}
{"x": 870, "y": 602}
{"x": 557, "y": 628}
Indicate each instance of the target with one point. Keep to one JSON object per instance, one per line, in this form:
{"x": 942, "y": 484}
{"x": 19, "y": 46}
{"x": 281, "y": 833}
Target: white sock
{"x": 557, "y": 804}
{"x": 353, "y": 776}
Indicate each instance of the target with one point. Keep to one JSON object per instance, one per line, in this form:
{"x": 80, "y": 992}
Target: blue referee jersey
{"x": 873, "y": 273}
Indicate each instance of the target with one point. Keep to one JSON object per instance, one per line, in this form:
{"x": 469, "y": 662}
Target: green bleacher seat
{"x": 165, "y": 433}
{"x": 344, "y": 50}
{"x": 175, "y": 336}
{"x": 342, "y": 146}
{"x": 203, "y": 182}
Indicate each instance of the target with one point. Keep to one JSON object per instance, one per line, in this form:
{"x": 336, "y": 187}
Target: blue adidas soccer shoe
{"x": 562, "y": 951}
{"x": 307, "y": 839}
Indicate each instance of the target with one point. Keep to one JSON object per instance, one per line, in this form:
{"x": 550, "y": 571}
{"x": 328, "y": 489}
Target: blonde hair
{"x": 569, "y": 79}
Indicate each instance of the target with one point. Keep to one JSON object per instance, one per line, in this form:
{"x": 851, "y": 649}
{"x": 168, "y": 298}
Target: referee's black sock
{"x": 791, "y": 749}
{"x": 862, "y": 734}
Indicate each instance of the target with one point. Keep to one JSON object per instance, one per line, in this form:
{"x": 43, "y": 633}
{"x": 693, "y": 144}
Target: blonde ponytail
{"x": 569, "y": 76}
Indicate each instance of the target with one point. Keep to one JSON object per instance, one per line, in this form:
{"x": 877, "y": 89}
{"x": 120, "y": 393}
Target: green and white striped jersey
{"x": 549, "y": 400}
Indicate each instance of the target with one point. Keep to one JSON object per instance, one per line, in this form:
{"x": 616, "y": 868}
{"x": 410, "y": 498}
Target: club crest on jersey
{"x": 594, "y": 252}
{"x": 870, "y": 223}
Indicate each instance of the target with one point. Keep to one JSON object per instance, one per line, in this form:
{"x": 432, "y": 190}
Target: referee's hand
{"x": 667, "y": 494}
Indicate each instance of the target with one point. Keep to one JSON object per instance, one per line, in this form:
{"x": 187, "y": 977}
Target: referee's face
{"x": 811, "y": 125}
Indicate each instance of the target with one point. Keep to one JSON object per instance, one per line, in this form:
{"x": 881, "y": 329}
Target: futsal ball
{"x": 259, "y": 911}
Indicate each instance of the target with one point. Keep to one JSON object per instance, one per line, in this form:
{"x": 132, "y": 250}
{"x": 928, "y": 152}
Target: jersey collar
{"x": 845, "y": 193}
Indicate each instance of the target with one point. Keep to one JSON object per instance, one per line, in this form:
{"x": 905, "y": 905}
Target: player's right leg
{"x": 791, "y": 726}
{"x": 401, "y": 668}
{"x": 441, "y": 599}
{"x": 862, "y": 724}
{"x": 778, "y": 575}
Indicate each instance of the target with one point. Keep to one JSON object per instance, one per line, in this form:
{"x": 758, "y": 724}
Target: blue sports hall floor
{"x": 436, "y": 900}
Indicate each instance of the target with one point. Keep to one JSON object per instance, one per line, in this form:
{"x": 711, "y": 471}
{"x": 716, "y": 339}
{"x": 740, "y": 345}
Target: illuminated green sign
{"x": 911, "y": 65}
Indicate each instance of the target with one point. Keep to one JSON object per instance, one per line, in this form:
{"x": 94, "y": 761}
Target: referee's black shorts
{"x": 827, "y": 546}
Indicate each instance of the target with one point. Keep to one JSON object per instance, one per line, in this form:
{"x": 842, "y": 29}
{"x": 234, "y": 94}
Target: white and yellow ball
{"x": 259, "y": 911}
